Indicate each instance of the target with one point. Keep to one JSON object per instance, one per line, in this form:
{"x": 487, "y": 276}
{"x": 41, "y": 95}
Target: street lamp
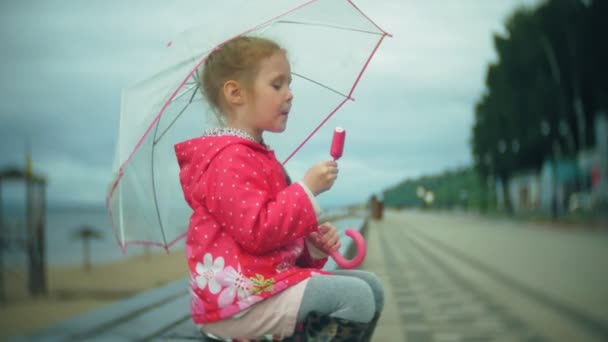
{"x": 487, "y": 158}
{"x": 420, "y": 192}
{"x": 545, "y": 130}
{"x": 515, "y": 146}
{"x": 564, "y": 131}
{"x": 429, "y": 197}
{"x": 502, "y": 146}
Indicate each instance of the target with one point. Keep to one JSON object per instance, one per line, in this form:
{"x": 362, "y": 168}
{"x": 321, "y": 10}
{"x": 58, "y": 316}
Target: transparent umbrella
{"x": 329, "y": 45}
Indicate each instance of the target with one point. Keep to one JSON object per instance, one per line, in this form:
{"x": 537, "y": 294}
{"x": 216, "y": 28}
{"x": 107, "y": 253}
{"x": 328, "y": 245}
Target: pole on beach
{"x": 42, "y": 238}
{"x": 35, "y": 209}
{"x": 3, "y": 246}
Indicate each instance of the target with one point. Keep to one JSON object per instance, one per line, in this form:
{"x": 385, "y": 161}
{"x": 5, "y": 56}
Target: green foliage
{"x": 452, "y": 188}
{"x": 546, "y": 87}
{"x": 541, "y": 98}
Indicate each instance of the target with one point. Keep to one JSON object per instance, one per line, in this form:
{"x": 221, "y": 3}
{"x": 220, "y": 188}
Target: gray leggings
{"x": 348, "y": 294}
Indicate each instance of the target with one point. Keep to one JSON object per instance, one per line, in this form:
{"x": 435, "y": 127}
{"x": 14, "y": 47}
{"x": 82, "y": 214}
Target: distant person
{"x": 595, "y": 176}
{"x": 254, "y": 246}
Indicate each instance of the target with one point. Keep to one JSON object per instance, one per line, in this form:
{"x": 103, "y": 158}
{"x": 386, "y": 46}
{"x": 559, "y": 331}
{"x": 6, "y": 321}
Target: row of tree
{"x": 453, "y": 188}
{"x": 549, "y": 82}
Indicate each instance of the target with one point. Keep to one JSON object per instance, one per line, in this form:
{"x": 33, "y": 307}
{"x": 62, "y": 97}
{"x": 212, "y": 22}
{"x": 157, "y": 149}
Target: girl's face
{"x": 270, "y": 99}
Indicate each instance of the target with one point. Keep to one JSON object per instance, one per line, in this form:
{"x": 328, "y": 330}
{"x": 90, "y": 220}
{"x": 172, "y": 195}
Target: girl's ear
{"x": 233, "y": 93}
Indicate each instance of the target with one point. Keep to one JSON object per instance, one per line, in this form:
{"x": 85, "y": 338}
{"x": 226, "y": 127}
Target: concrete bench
{"x": 158, "y": 314}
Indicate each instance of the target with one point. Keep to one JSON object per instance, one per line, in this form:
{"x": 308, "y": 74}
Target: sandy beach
{"x": 73, "y": 291}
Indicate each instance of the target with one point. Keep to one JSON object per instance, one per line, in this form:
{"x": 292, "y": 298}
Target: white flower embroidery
{"x": 236, "y": 285}
{"x": 208, "y": 272}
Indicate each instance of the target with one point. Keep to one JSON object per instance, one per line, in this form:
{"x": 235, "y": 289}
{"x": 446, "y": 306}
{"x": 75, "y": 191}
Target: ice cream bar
{"x": 337, "y": 143}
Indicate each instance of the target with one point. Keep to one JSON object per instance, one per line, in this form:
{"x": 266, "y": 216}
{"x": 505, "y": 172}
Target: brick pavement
{"x": 428, "y": 301}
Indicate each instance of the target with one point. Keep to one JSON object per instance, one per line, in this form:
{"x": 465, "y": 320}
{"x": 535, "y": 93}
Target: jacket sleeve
{"x": 238, "y": 195}
{"x": 312, "y": 257}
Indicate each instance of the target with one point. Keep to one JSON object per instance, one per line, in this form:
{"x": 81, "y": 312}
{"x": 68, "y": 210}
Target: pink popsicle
{"x": 337, "y": 143}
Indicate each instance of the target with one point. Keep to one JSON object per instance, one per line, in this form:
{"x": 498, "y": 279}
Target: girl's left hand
{"x": 327, "y": 238}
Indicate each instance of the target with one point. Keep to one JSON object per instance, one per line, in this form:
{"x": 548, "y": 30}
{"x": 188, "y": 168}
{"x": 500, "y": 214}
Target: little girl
{"x": 254, "y": 247}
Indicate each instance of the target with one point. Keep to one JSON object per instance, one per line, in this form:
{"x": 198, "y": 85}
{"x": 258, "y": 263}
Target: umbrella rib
{"x": 321, "y": 85}
{"x": 155, "y": 141}
{"x": 160, "y": 222}
{"x": 328, "y": 25}
{"x": 194, "y": 85}
{"x": 176, "y": 117}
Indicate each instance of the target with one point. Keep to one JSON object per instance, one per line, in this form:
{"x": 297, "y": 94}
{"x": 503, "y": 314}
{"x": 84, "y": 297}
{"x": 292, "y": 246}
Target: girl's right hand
{"x": 326, "y": 239}
{"x": 321, "y": 177}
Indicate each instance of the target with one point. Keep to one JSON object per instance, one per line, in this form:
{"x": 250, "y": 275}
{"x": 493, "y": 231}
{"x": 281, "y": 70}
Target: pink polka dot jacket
{"x": 245, "y": 239}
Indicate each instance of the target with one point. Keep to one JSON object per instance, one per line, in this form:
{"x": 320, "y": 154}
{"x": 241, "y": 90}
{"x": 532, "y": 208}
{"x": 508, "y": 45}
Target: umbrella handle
{"x": 361, "y": 251}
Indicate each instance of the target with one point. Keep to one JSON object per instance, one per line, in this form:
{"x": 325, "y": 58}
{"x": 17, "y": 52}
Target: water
{"x": 63, "y": 248}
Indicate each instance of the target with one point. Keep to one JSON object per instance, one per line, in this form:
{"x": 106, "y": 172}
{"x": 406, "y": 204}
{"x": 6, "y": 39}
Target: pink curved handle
{"x": 361, "y": 251}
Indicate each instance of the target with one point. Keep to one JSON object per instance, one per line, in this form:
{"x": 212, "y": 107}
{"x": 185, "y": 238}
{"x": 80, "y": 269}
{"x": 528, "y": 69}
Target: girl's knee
{"x": 345, "y": 297}
{"x": 373, "y": 280}
{"x": 376, "y": 285}
{"x": 363, "y": 300}
{"x": 378, "y": 289}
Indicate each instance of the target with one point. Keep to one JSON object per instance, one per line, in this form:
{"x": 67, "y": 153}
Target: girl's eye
{"x": 276, "y": 86}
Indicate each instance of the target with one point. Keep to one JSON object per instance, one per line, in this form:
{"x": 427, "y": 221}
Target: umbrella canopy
{"x": 329, "y": 44}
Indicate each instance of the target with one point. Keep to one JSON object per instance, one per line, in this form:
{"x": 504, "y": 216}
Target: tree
{"x": 544, "y": 90}
{"x": 86, "y": 234}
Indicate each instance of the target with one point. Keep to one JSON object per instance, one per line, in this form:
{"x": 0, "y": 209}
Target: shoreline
{"x": 73, "y": 290}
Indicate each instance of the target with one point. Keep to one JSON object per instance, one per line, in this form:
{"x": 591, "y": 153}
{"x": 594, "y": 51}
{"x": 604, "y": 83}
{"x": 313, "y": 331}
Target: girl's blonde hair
{"x": 237, "y": 59}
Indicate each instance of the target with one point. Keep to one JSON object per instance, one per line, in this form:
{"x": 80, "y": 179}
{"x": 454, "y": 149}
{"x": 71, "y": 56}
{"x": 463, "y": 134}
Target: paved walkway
{"x": 464, "y": 278}
{"x": 390, "y": 325}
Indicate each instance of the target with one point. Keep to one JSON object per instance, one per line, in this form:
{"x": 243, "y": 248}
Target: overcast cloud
{"x": 64, "y": 63}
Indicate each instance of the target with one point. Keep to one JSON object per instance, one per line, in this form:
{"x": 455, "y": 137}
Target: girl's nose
{"x": 289, "y": 95}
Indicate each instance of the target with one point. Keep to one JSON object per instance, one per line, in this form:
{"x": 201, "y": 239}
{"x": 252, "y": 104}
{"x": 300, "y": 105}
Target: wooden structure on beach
{"x": 34, "y": 237}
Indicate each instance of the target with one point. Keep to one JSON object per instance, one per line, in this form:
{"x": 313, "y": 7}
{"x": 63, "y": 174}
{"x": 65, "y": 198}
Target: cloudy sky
{"x": 64, "y": 63}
